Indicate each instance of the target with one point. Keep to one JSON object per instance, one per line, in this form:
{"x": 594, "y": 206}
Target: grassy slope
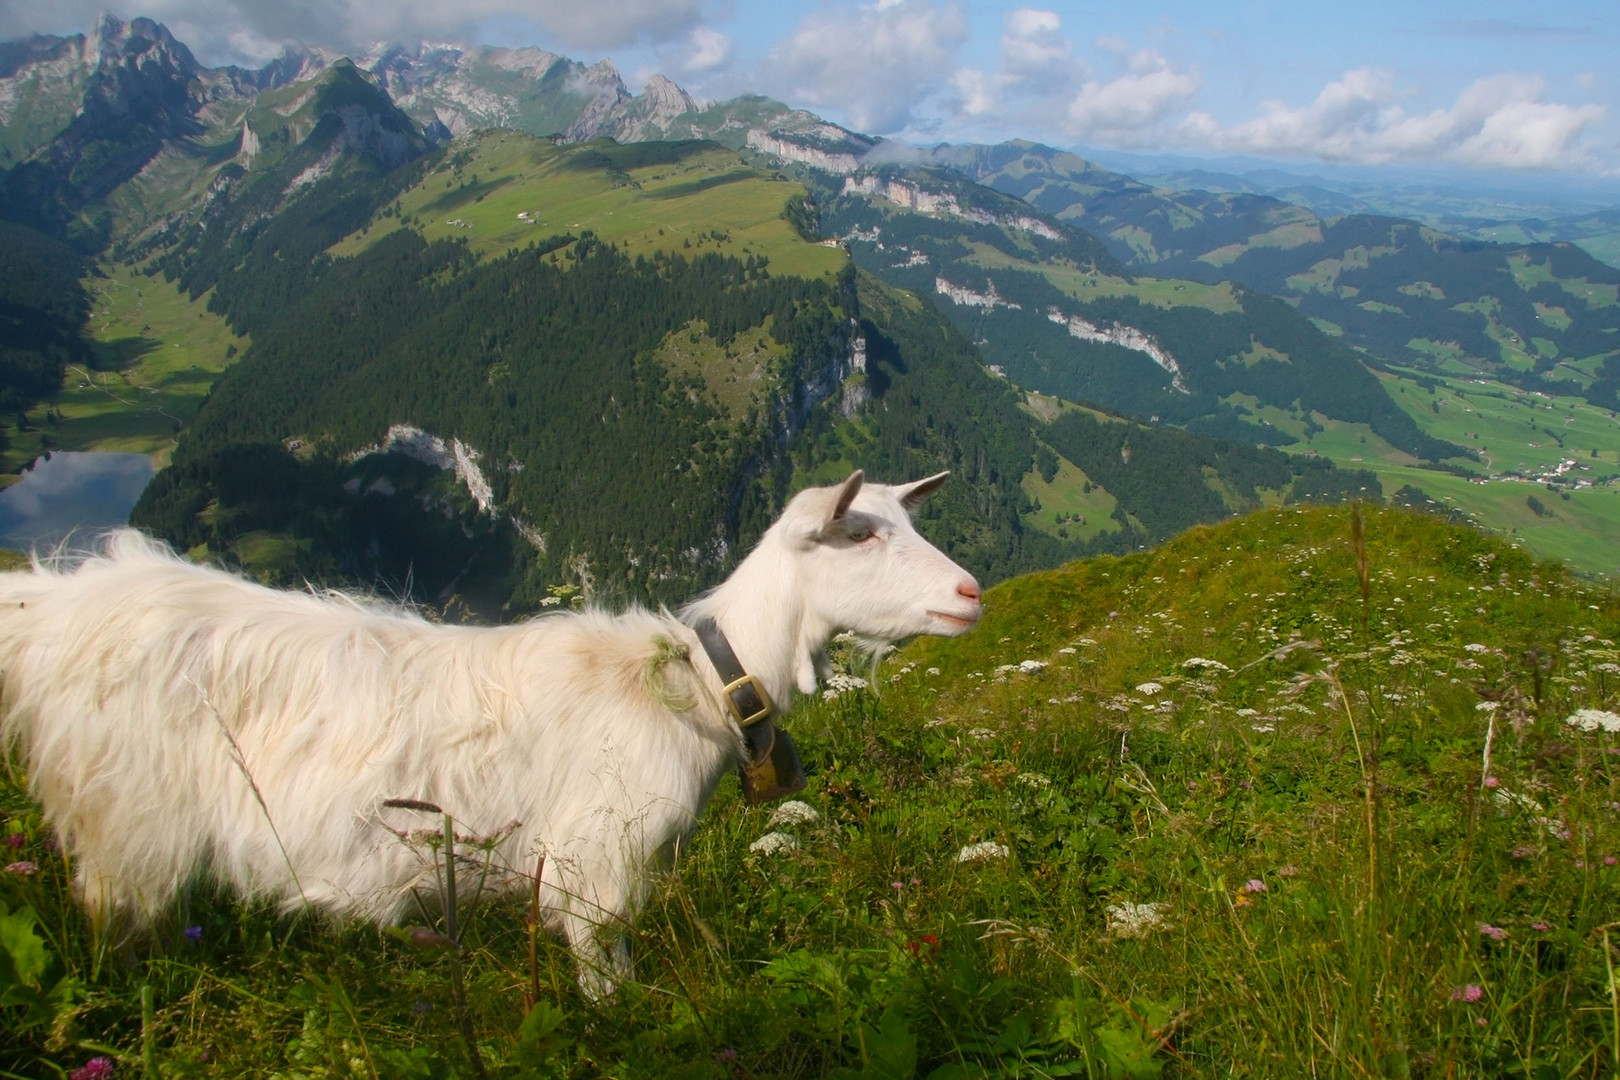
{"x": 152, "y": 338}
{"x": 1305, "y": 927}
{"x": 159, "y": 353}
{"x": 675, "y": 199}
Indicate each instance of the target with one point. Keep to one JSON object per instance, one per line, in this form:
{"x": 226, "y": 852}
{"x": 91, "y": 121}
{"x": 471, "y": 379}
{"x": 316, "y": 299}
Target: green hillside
{"x": 1398, "y": 291}
{"x": 1227, "y": 808}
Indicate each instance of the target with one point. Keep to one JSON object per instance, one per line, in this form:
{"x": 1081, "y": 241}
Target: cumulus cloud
{"x": 1036, "y": 65}
{"x": 1129, "y": 109}
{"x": 250, "y": 29}
{"x": 875, "y": 64}
{"x": 709, "y": 50}
{"x": 1503, "y": 121}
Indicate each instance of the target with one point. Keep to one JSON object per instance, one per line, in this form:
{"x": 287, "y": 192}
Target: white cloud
{"x": 1502, "y": 121}
{"x": 253, "y": 29}
{"x": 874, "y": 64}
{"x": 1036, "y": 65}
{"x": 1130, "y": 109}
{"x": 710, "y": 50}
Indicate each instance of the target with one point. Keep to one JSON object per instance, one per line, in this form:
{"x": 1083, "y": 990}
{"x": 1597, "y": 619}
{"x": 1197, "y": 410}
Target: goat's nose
{"x": 969, "y": 590}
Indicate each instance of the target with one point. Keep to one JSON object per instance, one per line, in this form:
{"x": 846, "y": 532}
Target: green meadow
{"x": 157, "y": 355}
{"x": 684, "y": 197}
{"x": 1319, "y": 792}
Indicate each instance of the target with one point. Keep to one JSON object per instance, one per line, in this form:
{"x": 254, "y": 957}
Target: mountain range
{"x": 754, "y": 297}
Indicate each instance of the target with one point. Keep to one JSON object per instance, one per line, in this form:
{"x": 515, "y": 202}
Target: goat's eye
{"x": 860, "y": 536}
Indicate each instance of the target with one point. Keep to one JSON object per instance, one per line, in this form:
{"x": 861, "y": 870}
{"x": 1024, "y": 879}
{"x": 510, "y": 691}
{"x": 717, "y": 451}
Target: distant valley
{"x": 399, "y": 318}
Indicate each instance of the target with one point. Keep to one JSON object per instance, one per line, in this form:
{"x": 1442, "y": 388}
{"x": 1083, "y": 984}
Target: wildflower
{"x": 1476, "y": 647}
{"x": 773, "y": 843}
{"x": 932, "y": 671}
{"x": 726, "y": 1056}
{"x": 1541, "y": 926}
{"x": 985, "y": 849}
{"x": 1253, "y": 885}
{"x": 897, "y": 886}
{"x": 1128, "y": 920}
{"x": 1524, "y": 851}
{"x": 1491, "y": 781}
{"x": 1593, "y": 720}
{"x": 193, "y": 933}
{"x": 1029, "y": 667}
{"x": 1033, "y": 779}
{"x": 924, "y": 948}
{"x": 23, "y": 868}
{"x": 794, "y": 812}
{"x": 1287, "y": 871}
{"x": 1495, "y": 933}
{"x": 1148, "y": 688}
{"x": 1468, "y": 994}
{"x": 1609, "y": 860}
{"x": 1202, "y": 663}
{"x": 97, "y": 1068}
{"x": 1487, "y": 706}
{"x": 16, "y": 840}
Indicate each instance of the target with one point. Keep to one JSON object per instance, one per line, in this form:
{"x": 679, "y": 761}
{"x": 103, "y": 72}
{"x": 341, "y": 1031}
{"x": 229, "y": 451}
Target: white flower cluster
{"x": 1202, "y": 663}
{"x": 774, "y": 843}
{"x": 1129, "y": 920}
{"x": 794, "y": 812}
{"x": 777, "y": 842}
{"x": 981, "y": 852}
{"x": 840, "y": 683}
{"x": 1594, "y": 720}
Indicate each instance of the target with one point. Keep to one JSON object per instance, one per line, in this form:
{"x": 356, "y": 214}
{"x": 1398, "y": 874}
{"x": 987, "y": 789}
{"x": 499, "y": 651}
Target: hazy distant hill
{"x": 446, "y": 348}
{"x": 1054, "y": 311}
{"x": 1403, "y": 293}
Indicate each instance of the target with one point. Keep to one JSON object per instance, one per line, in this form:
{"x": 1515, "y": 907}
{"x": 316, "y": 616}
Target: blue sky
{"x": 1483, "y": 86}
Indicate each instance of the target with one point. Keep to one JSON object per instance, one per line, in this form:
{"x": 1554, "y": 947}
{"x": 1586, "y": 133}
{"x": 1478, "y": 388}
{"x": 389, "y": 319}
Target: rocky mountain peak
{"x": 665, "y": 99}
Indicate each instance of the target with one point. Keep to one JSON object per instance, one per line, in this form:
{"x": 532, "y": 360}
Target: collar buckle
{"x": 748, "y": 701}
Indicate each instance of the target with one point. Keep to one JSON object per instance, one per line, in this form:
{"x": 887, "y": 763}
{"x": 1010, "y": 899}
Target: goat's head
{"x": 863, "y": 567}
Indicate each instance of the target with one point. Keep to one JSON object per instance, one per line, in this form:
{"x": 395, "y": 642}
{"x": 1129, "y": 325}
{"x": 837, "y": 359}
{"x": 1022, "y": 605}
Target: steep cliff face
{"x": 913, "y": 196}
{"x": 653, "y": 113}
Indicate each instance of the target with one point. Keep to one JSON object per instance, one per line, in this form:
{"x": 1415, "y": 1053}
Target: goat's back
{"x": 173, "y": 717}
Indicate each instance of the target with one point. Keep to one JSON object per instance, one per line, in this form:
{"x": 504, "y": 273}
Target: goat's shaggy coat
{"x": 176, "y": 719}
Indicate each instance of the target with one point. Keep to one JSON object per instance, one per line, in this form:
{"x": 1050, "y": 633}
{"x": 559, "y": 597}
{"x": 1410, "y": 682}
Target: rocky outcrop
{"x": 653, "y": 113}
{"x": 943, "y": 204}
{"x": 836, "y": 162}
{"x": 607, "y": 98}
{"x": 1128, "y": 337}
{"x": 966, "y": 297}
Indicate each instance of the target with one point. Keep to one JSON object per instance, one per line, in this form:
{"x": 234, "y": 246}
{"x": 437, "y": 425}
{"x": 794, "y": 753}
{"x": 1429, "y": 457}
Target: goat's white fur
{"x": 176, "y": 719}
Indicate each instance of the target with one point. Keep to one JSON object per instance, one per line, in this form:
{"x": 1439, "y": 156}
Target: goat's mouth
{"x": 956, "y": 622}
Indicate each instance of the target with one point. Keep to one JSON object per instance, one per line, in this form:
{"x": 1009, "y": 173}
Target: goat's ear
{"x": 914, "y": 493}
{"x": 846, "y": 495}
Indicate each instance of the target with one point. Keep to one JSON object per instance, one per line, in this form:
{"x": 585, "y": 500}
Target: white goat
{"x": 175, "y": 719}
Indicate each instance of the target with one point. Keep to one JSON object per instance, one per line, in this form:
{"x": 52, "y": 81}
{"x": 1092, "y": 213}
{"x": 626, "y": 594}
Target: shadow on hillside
{"x": 120, "y": 354}
{"x": 465, "y": 194}
{"x": 606, "y": 155}
{"x": 692, "y": 187}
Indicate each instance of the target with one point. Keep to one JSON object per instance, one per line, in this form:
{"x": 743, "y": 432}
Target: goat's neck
{"x": 770, "y": 626}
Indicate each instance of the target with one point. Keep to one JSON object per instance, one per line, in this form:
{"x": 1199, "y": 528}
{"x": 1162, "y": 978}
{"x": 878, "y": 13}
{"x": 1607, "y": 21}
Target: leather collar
{"x": 770, "y": 767}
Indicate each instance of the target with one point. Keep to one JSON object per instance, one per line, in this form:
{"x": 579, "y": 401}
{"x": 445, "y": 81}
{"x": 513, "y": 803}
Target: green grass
{"x": 1066, "y": 505}
{"x": 1222, "y": 728}
{"x": 701, "y": 199}
{"x": 1086, "y": 285}
{"x": 158, "y": 354}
